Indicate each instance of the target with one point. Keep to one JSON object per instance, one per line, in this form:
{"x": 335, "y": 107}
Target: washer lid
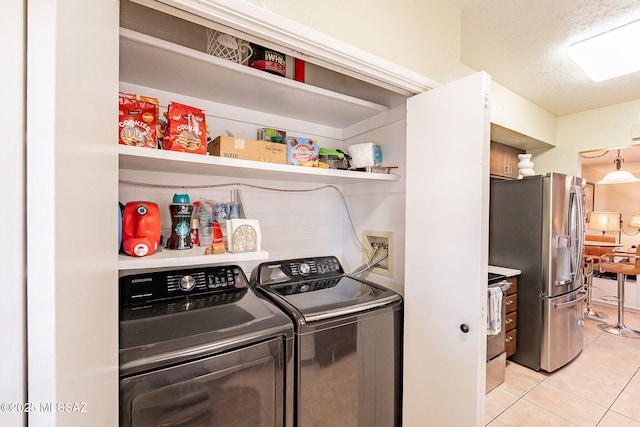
{"x": 332, "y": 297}
{"x": 159, "y": 333}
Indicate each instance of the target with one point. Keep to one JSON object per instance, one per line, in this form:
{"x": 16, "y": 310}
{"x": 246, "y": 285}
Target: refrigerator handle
{"x": 580, "y": 201}
{"x": 576, "y": 197}
{"x": 572, "y": 302}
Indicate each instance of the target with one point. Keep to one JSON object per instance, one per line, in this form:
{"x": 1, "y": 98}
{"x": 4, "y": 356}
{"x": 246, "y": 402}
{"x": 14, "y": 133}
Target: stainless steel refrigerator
{"x": 536, "y": 225}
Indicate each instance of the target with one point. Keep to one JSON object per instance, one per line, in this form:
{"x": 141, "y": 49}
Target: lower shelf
{"x": 184, "y": 258}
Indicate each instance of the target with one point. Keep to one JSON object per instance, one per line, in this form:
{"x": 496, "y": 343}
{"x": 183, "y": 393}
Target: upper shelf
{"x": 156, "y": 63}
{"x": 186, "y": 258}
{"x": 147, "y": 159}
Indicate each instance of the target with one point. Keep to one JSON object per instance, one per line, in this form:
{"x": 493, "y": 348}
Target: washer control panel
{"x": 152, "y": 286}
{"x": 294, "y": 270}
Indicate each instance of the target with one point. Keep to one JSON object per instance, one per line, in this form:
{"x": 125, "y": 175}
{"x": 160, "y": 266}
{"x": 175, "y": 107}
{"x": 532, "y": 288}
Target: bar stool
{"x": 590, "y": 313}
{"x": 622, "y": 269}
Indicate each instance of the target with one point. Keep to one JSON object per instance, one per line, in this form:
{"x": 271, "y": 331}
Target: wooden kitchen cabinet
{"x": 511, "y": 326}
{"x": 503, "y": 160}
{"x": 510, "y": 342}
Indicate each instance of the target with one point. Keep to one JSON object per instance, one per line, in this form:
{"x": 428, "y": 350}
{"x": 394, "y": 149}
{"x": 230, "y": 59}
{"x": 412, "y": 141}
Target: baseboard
{"x": 614, "y": 306}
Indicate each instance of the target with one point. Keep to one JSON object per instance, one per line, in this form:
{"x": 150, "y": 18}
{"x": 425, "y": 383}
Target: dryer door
{"x": 244, "y": 387}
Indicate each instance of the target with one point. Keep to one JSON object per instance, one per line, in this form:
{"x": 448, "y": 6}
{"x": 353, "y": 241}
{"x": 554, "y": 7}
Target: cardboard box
{"x": 248, "y": 149}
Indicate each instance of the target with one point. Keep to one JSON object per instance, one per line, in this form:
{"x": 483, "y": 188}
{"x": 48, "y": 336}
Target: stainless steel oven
{"x": 199, "y": 348}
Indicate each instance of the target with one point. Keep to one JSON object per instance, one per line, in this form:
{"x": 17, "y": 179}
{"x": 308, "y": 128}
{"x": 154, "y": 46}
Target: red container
{"x": 299, "y": 71}
{"x": 267, "y": 60}
{"x": 140, "y": 228}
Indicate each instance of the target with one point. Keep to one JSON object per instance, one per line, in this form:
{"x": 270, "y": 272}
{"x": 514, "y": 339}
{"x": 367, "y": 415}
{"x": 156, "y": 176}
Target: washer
{"x": 198, "y": 347}
{"x": 348, "y": 346}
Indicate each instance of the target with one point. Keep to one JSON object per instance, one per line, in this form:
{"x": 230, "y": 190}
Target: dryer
{"x": 348, "y": 345}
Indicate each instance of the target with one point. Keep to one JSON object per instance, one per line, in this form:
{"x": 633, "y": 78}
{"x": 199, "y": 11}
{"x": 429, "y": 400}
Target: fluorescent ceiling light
{"x": 611, "y": 54}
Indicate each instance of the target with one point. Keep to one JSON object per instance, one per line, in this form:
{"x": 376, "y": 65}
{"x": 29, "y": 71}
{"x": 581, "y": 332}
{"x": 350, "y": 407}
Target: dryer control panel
{"x": 294, "y": 270}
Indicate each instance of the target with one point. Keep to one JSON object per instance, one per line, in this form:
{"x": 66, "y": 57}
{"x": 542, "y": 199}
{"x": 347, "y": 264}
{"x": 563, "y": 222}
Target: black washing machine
{"x": 199, "y": 348}
{"x": 348, "y": 347}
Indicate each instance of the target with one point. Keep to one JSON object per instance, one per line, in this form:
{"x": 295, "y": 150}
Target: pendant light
{"x": 618, "y": 176}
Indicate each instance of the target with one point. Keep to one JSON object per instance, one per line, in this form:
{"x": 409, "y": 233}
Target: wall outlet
{"x": 383, "y": 241}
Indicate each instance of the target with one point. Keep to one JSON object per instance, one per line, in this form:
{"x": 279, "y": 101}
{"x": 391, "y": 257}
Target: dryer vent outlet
{"x": 378, "y": 244}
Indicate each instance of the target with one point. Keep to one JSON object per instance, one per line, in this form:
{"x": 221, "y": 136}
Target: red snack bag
{"x": 187, "y": 129}
{"x": 137, "y": 122}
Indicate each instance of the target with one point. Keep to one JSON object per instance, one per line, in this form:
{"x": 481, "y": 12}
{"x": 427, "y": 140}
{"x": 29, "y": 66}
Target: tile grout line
{"x": 610, "y": 408}
{"x": 518, "y": 398}
{"x": 545, "y": 379}
{"x": 536, "y": 386}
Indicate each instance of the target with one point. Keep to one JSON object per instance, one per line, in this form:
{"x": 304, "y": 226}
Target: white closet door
{"x": 71, "y": 218}
{"x": 12, "y": 215}
{"x": 446, "y": 254}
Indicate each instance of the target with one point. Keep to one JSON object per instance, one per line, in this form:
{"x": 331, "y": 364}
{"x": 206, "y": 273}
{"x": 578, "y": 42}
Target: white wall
{"x": 607, "y": 127}
{"x": 423, "y": 36}
{"x": 381, "y": 206}
{"x": 511, "y": 111}
{"x": 293, "y": 224}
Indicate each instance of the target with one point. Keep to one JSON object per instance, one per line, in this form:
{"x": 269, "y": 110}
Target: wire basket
{"x": 227, "y": 47}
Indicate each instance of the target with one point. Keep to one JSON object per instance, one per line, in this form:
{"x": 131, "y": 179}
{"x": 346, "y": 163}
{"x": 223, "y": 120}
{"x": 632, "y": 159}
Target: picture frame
{"x": 589, "y": 199}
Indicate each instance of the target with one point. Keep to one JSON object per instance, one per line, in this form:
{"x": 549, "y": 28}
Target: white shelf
{"x": 148, "y": 159}
{"x": 156, "y": 63}
{"x": 185, "y": 258}
{"x": 159, "y": 64}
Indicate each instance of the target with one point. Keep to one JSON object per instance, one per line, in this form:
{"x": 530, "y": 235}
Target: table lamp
{"x": 605, "y": 221}
{"x": 634, "y": 222}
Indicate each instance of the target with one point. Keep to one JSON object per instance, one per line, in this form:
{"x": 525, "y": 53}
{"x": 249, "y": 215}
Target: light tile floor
{"x": 601, "y": 387}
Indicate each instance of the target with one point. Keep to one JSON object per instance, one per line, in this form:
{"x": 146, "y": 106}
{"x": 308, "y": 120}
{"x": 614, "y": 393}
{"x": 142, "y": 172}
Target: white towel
{"x": 494, "y": 311}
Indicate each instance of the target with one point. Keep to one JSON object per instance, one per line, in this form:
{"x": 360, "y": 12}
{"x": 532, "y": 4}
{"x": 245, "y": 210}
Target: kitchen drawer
{"x": 510, "y": 342}
{"x": 514, "y": 285}
{"x": 511, "y": 303}
{"x": 510, "y": 321}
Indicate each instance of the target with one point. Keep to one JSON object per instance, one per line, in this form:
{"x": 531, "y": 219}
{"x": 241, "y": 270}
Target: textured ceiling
{"x": 523, "y": 44}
